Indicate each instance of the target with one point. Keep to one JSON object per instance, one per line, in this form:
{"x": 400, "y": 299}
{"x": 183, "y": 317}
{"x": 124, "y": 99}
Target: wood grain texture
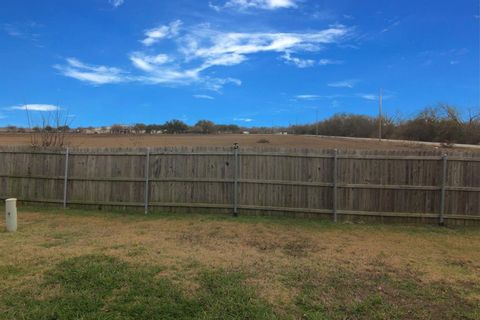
{"x": 398, "y": 184}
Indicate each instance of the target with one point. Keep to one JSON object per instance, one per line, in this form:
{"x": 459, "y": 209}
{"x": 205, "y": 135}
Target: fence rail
{"x": 401, "y": 184}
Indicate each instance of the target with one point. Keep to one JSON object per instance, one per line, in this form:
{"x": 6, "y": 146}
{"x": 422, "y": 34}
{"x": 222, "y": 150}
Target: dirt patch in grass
{"x": 297, "y": 247}
{"x": 289, "y": 267}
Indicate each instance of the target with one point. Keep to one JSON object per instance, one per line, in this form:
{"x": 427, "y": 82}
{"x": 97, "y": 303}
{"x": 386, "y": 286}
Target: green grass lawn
{"x": 71, "y": 264}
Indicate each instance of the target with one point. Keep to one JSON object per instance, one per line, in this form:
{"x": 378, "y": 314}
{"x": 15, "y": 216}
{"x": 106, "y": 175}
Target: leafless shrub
{"x": 50, "y": 129}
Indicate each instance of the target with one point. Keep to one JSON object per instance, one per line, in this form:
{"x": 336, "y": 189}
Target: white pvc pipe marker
{"x": 11, "y": 214}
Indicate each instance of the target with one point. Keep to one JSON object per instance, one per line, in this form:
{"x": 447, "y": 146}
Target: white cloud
{"x": 243, "y": 119}
{"x": 154, "y": 73}
{"x": 116, "y": 3}
{"x": 343, "y": 84}
{"x": 317, "y": 96}
{"x": 301, "y": 63}
{"x": 156, "y": 34}
{"x": 308, "y": 97}
{"x": 224, "y": 60}
{"x": 199, "y": 49}
{"x": 146, "y": 62}
{"x": 169, "y": 76}
{"x": 203, "y": 96}
{"x": 305, "y": 63}
{"x": 256, "y": 4}
{"x": 374, "y": 97}
{"x": 36, "y": 107}
{"x": 216, "y": 84}
{"x": 325, "y": 62}
{"x": 369, "y": 96}
{"x": 218, "y": 48}
{"x": 93, "y": 74}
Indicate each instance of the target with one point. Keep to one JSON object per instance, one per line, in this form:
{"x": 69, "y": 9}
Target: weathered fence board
{"x": 401, "y": 184}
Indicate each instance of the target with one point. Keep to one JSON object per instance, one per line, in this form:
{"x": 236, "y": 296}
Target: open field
{"x": 164, "y": 140}
{"x": 96, "y": 265}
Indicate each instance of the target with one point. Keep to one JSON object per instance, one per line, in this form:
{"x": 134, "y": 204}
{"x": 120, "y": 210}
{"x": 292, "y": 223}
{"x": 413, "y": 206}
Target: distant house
{"x": 120, "y": 129}
{"x": 98, "y": 130}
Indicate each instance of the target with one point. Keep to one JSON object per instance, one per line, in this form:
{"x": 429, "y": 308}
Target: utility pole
{"x": 316, "y": 121}
{"x": 380, "y": 115}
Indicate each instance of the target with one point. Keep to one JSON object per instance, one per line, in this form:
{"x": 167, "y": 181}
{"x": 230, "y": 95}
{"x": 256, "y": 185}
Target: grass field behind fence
{"x": 72, "y": 264}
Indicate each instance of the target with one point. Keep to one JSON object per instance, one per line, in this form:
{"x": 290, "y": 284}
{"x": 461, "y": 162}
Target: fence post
{"x": 235, "y": 180}
{"x": 65, "y": 179}
{"x": 444, "y": 184}
{"x": 147, "y": 176}
{"x": 335, "y": 165}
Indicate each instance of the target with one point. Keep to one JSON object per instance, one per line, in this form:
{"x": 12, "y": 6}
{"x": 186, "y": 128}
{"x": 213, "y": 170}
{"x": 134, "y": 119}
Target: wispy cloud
{"x": 445, "y": 53}
{"x": 325, "y": 62}
{"x": 156, "y": 34}
{"x": 326, "y": 15}
{"x": 199, "y": 48}
{"x": 24, "y": 30}
{"x": 36, "y": 107}
{"x": 243, "y": 119}
{"x": 255, "y": 4}
{"x": 301, "y": 63}
{"x": 374, "y": 97}
{"x": 93, "y": 74}
{"x": 116, "y": 3}
{"x": 393, "y": 24}
{"x": 343, "y": 84}
{"x": 335, "y": 104}
{"x": 219, "y": 48}
{"x": 317, "y": 96}
{"x": 203, "y": 96}
{"x": 430, "y": 57}
{"x": 369, "y": 96}
{"x": 154, "y": 74}
{"x": 308, "y": 97}
{"x": 12, "y": 30}
{"x": 148, "y": 63}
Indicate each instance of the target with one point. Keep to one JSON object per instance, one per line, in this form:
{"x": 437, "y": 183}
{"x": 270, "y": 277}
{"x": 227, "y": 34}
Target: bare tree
{"x": 50, "y": 130}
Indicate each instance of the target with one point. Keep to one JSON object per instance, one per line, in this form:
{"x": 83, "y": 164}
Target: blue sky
{"x": 250, "y": 62}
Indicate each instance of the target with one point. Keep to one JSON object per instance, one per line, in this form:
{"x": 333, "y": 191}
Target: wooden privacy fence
{"x": 396, "y": 184}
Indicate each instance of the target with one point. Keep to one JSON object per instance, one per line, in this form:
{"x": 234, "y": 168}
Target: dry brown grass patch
{"x": 265, "y": 251}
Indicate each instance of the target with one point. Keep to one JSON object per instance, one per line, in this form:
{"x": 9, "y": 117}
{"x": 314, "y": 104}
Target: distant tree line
{"x": 442, "y": 123}
{"x": 177, "y": 127}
